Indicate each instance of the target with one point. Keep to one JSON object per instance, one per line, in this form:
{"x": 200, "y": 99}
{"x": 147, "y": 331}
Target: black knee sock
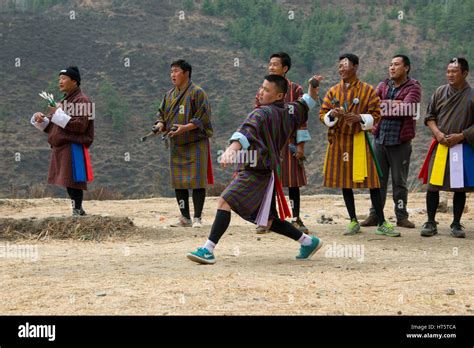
{"x": 348, "y": 195}
{"x": 432, "y": 203}
{"x": 199, "y": 196}
{"x": 220, "y": 225}
{"x": 294, "y": 193}
{"x": 376, "y": 199}
{"x": 459, "y": 201}
{"x": 285, "y": 228}
{"x": 77, "y": 196}
{"x": 182, "y": 196}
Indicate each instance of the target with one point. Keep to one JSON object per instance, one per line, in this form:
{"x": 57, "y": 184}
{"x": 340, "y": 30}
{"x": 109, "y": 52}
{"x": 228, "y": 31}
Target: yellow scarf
{"x": 439, "y": 165}
{"x": 359, "y": 164}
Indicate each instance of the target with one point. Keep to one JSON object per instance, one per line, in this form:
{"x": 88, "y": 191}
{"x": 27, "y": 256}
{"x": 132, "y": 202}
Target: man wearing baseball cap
{"x": 69, "y": 124}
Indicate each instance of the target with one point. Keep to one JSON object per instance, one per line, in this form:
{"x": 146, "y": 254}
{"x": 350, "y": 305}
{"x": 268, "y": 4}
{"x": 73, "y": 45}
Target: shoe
{"x": 307, "y": 251}
{"x": 202, "y": 256}
{"x": 353, "y": 228}
{"x": 429, "y": 229}
{"x": 387, "y": 229}
{"x": 296, "y": 222}
{"x": 457, "y": 230}
{"x": 78, "y": 212}
{"x": 182, "y": 222}
{"x": 370, "y": 221}
{"x": 262, "y": 229}
{"x": 197, "y": 223}
{"x": 405, "y": 223}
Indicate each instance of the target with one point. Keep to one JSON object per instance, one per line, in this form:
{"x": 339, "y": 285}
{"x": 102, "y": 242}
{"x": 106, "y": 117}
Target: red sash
{"x": 424, "y": 169}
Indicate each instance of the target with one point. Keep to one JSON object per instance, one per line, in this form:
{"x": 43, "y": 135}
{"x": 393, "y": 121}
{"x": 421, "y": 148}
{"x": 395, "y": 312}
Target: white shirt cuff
{"x": 41, "y": 126}
{"x": 242, "y": 139}
{"x": 60, "y": 118}
{"x": 327, "y": 120}
{"x": 368, "y": 121}
{"x": 309, "y": 101}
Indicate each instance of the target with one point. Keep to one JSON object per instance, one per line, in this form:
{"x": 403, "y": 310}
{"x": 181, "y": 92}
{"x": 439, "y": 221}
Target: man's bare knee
{"x": 223, "y": 205}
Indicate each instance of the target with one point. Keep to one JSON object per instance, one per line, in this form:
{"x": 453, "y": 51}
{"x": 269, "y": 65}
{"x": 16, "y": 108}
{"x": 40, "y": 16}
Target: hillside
{"x": 104, "y": 35}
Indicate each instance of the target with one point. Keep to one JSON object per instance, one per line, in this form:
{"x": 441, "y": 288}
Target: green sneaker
{"x": 202, "y": 255}
{"x": 353, "y": 228}
{"x": 387, "y": 229}
{"x": 307, "y": 251}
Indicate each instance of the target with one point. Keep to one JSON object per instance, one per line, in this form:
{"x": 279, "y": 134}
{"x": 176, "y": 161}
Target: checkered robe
{"x": 189, "y": 152}
{"x": 267, "y": 129}
{"x": 453, "y": 112}
{"x": 80, "y": 130}
{"x": 339, "y": 162}
{"x": 292, "y": 173}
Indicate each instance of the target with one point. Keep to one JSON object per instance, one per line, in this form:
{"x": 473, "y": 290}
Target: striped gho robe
{"x": 453, "y": 112}
{"x": 74, "y": 124}
{"x": 360, "y": 98}
{"x": 264, "y": 132}
{"x": 292, "y": 173}
{"x": 189, "y": 152}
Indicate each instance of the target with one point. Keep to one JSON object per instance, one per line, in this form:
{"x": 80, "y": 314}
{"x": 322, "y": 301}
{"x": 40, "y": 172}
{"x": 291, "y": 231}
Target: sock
{"x": 376, "y": 199}
{"x": 459, "y": 201}
{"x": 77, "y": 196}
{"x": 432, "y": 203}
{"x": 285, "y": 228}
{"x": 199, "y": 196}
{"x": 348, "y": 195}
{"x": 220, "y": 225}
{"x": 294, "y": 193}
{"x": 305, "y": 240}
{"x": 182, "y": 196}
{"x": 210, "y": 245}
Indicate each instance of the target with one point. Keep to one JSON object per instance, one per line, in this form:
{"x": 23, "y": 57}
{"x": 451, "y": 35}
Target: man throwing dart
{"x": 252, "y": 192}
{"x": 70, "y": 128}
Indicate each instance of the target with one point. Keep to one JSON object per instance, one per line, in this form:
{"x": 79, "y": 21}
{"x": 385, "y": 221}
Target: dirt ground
{"x": 148, "y": 273}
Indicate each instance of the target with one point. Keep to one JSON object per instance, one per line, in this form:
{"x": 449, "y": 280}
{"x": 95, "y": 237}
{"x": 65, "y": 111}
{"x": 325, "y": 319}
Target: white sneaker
{"x": 197, "y": 223}
{"x": 182, "y": 222}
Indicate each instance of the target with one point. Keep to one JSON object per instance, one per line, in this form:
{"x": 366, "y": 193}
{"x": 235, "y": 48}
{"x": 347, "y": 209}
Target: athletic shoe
{"x": 78, "y": 212}
{"x": 262, "y": 229}
{"x": 457, "y": 230}
{"x": 182, "y": 222}
{"x": 197, "y": 223}
{"x": 353, "y": 228}
{"x": 296, "y": 222}
{"x": 387, "y": 229}
{"x": 429, "y": 229}
{"x": 307, "y": 251}
{"x": 202, "y": 255}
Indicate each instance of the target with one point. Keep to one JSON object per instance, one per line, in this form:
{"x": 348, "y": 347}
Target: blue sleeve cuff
{"x": 302, "y": 136}
{"x": 242, "y": 139}
{"x": 198, "y": 123}
{"x": 309, "y": 101}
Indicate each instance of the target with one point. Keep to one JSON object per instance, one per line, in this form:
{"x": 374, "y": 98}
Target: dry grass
{"x": 96, "y": 228}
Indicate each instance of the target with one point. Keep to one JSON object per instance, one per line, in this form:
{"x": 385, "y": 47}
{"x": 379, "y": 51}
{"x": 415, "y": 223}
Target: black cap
{"x": 73, "y": 73}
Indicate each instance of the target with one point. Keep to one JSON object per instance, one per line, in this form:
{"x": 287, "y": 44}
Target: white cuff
{"x": 41, "y": 126}
{"x": 302, "y": 136}
{"x": 242, "y": 139}
{"x": 327, "y": 120}
{"x": 60, "y": 118}
{"x": 309, "y": 101}
{"x": 368, "y": 121}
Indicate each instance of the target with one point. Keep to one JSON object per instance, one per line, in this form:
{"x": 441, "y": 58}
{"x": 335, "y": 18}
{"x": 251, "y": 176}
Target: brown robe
{"x": 80, "y": 130}
{"x": 453, "y": 111}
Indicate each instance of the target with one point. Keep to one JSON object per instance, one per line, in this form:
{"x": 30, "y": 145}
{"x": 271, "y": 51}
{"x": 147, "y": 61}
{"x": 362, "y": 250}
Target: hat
{"x": 73, "y": 73}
